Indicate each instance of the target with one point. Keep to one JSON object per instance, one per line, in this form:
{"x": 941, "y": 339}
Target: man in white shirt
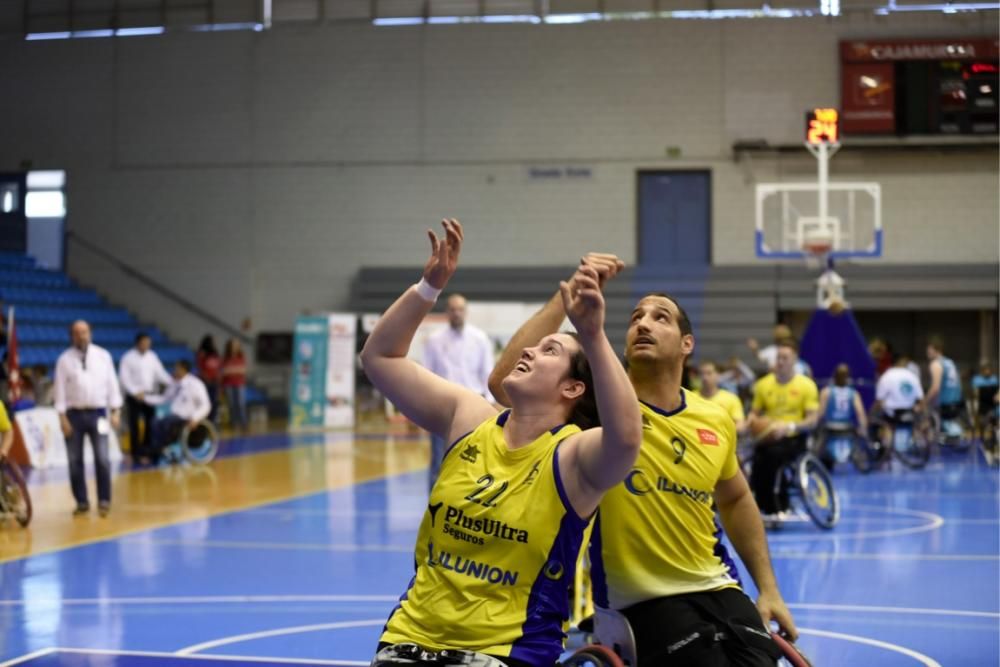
{"x": 139, "y": 372}
{"x": 86, "y": 391}
{"x": 898, "y": 391}
{"x": 189, "y": 404}
{"x": 463, "y": 354}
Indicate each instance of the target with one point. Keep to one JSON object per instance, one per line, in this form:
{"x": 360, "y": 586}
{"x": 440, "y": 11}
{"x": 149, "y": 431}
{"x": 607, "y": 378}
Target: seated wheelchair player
{"x": 185, "y": 407}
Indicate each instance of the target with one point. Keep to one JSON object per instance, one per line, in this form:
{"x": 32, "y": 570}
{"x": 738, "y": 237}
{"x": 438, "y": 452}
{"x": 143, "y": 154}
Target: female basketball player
{"x": 497, "y": 548}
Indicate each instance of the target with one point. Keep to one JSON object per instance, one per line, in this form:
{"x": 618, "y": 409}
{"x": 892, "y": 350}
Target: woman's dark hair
{"x": 207, "y": 346}
{"x": 584, "y": 413}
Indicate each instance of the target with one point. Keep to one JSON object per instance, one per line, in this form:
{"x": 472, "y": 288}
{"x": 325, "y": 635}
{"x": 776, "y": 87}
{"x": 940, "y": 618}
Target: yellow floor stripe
{"x": 148, "y": 499}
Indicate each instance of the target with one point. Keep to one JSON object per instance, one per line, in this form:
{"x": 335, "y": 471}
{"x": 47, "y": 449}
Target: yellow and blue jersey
{"x": 787, "y": 402}
{"x": 730, "y": 402}
{"x": 496, "y": 551}
{"x": 656, "y": 533}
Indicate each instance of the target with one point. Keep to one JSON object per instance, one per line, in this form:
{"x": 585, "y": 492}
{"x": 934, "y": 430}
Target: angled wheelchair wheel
{"x": 817, "y": 493}
{"x": 790, "y": 653}
{"x": 201, "y": 443}
{"x": 14, "y": 496}
{"x": 594, "y": 655}
{"x": 911, "y": 444}
{"x": 863, "y": 455}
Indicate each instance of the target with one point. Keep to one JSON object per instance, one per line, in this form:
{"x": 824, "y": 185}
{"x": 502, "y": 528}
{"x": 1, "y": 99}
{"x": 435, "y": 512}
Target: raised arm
{"x": 824, "y": 398}
{"x": 936, "y": 373}
{"x": 546, "y": 321}
{"x": 431, "y": 402}
{"x": 599, "y": 458}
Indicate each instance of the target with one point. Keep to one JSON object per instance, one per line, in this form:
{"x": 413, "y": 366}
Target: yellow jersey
{"x": 730, "y": 402}
{"x": 656, "y": 533}
{"x": 4, "y": 420}
{"x": 496, "y": 551}
{"x": 787, "y": 402}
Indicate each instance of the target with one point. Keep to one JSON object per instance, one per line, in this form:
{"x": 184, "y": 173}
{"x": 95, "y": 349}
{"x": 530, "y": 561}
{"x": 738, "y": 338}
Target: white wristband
{"x": 427, "y": 291}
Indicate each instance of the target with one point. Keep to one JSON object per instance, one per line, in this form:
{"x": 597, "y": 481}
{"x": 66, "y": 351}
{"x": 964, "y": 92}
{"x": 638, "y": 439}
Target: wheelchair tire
{"x": 200, "y": 444}
{"x": 818, "y": 495}
{"x": 594, "y": 655}
{"x": 863, "y": 455}
{"x": 16, "y": 500}
{"x": 791, "y": 654}
{"x": 916, "y": 449}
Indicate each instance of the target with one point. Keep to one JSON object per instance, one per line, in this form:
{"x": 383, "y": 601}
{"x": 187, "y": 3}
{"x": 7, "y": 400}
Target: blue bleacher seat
{"x": 46, "y": 304}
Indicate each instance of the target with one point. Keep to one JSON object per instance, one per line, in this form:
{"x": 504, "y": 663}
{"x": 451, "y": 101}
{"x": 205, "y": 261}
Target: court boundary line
{"x": 27, "y": 656}
{"x": 116, "y": 535}
{"x": 263, "y": 599}
{"x": 278, "y": 632}
{"x": 936, "y": 521}
{"x": 285, "y": 546}
{"x": 875, "y": 609}
{"x": 195, "y": 599}
{"x": 925, "y": 660}
{"x": 175, "y": 656}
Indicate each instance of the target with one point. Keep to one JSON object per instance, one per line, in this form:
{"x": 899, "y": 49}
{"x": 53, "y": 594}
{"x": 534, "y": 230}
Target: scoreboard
{"x": 919, "y": 86}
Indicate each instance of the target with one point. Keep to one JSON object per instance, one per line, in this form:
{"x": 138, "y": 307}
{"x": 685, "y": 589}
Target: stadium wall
{"x": 256, "y": 172}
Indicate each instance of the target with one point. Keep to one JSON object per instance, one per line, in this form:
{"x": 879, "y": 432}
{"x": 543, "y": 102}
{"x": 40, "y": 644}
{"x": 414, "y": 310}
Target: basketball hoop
{"x": 818, "y": 243}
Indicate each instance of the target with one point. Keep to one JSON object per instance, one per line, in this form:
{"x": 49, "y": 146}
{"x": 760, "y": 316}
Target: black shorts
{"x": 951, "y": 410}
{"x": 899, "y": 417}
{"x": 681, "y": 630}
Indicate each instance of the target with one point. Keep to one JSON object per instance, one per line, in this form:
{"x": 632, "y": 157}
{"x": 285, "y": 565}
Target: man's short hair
{"x": 185, "y": 364}
{"x": 936, "y": 342}
{"x": 705, "y": 363}
{"x": 683, "y": 321}
{"x": 139, "y": 336}
{"x": 789, "y": 342}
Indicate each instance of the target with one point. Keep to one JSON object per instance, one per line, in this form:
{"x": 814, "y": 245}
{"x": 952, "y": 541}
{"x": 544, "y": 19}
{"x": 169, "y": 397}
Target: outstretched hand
{"x": 443, "y": 261}
{"x": 607, "y": 265}
{"x": 583, "y": 301}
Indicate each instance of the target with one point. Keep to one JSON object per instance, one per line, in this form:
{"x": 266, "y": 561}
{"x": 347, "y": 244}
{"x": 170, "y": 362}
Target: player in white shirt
{"x": 189, "y": 404}
{"x": 139, "y": 372}
{"x": 87, "y": 398}
{"x": 898, "y": 391}
{"x": 463, "y": 354}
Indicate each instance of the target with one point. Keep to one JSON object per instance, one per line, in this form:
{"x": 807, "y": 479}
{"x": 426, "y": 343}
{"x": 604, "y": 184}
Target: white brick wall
{"x": 257, "y": 172}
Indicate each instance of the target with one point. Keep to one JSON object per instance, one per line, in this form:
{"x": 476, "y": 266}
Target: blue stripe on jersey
{"x": 542, "y": 634}
{"x": 399, "y": 605}
{"x": 667, "y": 413}
{"x": 722, "y": 554}
{"x": 598, "y": 578}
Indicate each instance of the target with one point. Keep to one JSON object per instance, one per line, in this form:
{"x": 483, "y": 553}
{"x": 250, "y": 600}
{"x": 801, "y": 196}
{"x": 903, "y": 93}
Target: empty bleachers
{"x": 47, "y": 302}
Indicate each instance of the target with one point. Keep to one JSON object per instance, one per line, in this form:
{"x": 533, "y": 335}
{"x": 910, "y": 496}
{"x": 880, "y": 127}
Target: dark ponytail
{"x": 584, "y": 413}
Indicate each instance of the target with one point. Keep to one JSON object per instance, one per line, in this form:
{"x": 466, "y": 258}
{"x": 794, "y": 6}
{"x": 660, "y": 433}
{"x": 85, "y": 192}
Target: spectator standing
{"x": 209, "y": 370}
{"x": 463, "y": 354}
{"x": 139, "y": 372}
{"x": 234, "y": 383}
{"x": 88, "y": 400}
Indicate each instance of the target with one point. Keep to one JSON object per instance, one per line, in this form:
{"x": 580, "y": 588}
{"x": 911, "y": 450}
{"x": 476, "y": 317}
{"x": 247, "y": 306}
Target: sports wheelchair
{"x": 197, "y": 445}
{"x": 615, "y": 645}
{"x": 810, "y": 488}
{"x": 14, "y": 499}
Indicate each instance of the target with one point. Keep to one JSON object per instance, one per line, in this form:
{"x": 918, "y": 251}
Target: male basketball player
{"x": 656, "y": 550}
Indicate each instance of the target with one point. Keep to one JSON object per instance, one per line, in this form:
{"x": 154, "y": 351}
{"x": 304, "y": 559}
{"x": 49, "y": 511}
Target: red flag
{"x": 13, "y": 367}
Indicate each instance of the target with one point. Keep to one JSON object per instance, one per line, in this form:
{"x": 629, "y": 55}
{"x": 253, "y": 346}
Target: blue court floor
{"x": 911, "y": 576}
